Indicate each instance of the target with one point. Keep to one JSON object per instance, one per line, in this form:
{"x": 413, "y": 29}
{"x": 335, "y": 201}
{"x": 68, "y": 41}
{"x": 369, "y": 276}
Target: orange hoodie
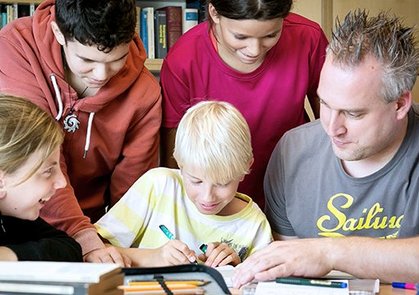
{"x": 119, "y": 126}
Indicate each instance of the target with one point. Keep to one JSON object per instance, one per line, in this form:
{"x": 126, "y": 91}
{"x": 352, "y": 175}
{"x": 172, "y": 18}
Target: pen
{"x": 401, "y": 285}
{"x": 311, "y": 282}
{"x": 170, "y": 236}
{"x": 166, "y": 232}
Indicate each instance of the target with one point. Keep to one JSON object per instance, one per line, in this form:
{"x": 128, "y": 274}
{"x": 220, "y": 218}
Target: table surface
{"x": 388, "y": 290}
{"x": 384, "y": 290}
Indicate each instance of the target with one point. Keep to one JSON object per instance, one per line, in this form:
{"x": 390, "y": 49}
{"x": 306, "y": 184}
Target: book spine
{"x": 23, "y": 10}
{"x": 150, "y": 32}
{"x": 200, "y": 5}
{"x": 174, "y": 24}
{"x": 32, "y": 8}
{"x": 143, "y": 29}
{"x": 9, "y": 13}
{"x": 160, "y": 33}
{"x": 138, "y": 24}
{"x": 15, "y": 10}
{"x": 190, "y": 19}
{"x": 3, "y": 15}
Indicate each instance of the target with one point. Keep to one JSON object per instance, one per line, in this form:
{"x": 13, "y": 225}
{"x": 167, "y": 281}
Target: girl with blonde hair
{"x": 30, "y": 174}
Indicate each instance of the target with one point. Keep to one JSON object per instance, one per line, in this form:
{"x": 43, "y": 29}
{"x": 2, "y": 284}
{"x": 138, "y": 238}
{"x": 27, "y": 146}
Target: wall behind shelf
{"x": 324, "y": 13}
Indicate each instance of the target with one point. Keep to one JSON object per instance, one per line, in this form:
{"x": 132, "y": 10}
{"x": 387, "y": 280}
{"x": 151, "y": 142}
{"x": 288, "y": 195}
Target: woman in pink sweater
{"x": 256, "y": 55}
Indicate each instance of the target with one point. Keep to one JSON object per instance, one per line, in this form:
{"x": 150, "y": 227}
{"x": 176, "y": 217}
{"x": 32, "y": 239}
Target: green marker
{"x": 203, "y": 248}
{"x": 166, "y": 232}
{"x": 311, "y": 282}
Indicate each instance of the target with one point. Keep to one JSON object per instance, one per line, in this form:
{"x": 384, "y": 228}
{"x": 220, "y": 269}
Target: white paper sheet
{"x": 273, "y": 288}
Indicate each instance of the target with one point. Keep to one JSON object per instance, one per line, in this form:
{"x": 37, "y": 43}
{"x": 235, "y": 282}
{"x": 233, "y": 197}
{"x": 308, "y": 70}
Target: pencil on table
{"x": 159, "y": 290}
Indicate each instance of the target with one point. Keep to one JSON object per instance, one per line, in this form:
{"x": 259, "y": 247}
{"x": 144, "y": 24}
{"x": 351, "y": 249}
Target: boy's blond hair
{"x": 25, "y": 129}
{"x": 214, "y": 137}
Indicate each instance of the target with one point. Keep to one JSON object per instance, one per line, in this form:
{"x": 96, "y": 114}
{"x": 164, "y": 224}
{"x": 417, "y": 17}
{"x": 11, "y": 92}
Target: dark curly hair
{"x": 105, "y": 23}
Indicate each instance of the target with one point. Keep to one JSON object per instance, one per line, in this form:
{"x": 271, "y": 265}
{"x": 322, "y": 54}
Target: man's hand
{"x": 219, "y": 254}
{"x": 109, "y": 254}
{"x": 300, "y": 257}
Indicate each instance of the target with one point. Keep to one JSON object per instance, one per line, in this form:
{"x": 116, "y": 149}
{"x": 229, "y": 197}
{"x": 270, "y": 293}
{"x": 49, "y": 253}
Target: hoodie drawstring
{"x": 57, "y": 97}
{"x": 60, "y": 113}
{"x": 88, "y": 134}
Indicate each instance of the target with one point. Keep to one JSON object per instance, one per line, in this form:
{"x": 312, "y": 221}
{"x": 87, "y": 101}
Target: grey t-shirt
{"x": 308, "y": 194}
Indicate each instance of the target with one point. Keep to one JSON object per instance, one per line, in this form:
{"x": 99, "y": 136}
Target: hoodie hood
{"x": 33, "y": 68}
{"x": 52, "y": 64}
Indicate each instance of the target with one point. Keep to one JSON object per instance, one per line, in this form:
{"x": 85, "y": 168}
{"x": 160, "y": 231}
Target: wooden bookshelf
{"x": 154, "y": 65}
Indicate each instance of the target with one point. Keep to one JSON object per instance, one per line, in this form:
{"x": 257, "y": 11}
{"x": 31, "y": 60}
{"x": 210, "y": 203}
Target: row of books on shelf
{"x": 9, "y": 12}
{"x": 160, "y": 28}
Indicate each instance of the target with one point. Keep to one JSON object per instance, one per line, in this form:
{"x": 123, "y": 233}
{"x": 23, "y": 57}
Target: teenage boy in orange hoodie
{"x": 81, "y": 61}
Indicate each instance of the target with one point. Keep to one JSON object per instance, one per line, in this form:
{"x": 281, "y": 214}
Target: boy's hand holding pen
{"x": 214, "y": 254}
{"x": 218, "y": 254}
{"x": 175, "y": 251}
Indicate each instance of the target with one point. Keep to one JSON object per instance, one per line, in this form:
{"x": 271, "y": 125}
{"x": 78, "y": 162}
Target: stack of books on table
{"x": 36, "y": 277}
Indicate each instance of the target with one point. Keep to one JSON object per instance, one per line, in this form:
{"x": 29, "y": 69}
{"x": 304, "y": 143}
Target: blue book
{"x": 143, "y": 29}
{"x": 190, "y": 19}
{"x": 3, "y": 15}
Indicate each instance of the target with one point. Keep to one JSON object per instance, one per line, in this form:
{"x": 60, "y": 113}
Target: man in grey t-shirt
{"x": 354, "y": 173}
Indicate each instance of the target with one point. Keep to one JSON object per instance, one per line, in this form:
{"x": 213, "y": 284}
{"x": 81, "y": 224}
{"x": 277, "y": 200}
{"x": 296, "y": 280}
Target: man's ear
{"x": 213, "y": 14}
{"x": 3, "y": 191}
{"x": 403, "y": 105}
{"x": 57, "y": 33}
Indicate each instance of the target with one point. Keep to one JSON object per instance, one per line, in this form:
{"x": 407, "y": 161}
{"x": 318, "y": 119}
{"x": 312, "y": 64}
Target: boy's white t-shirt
{"x": 159, "y": 197}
